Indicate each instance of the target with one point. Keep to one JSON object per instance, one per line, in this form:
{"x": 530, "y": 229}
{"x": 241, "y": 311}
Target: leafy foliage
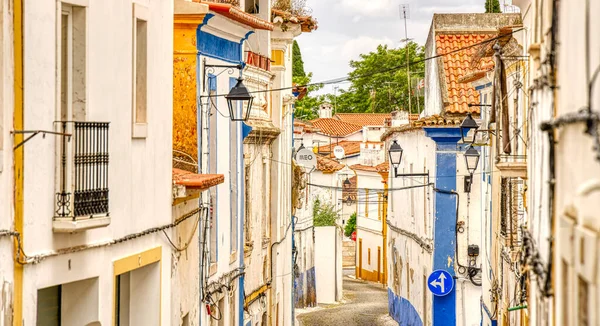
{"x": 297, "y": 62}
{"x": 324, "y": 214}
{"x": 306, "y": 107}
{"x": 294, "y": 7}
{"x": 492, "y": 6}
{"x": 350, "y": 225}
{"x": 379, "y": 81}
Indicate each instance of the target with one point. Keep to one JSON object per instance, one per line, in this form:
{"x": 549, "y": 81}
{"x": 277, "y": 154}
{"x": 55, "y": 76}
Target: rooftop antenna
{"x": 405, "y": 14}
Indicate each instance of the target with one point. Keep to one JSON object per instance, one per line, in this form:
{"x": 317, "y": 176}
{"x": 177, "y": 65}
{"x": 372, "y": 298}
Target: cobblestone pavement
{"x": 365, "y": 303}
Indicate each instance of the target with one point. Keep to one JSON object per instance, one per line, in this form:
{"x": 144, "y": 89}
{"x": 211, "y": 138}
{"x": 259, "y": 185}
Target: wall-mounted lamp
{"x": 468, "y": 129}
{"x": 395, "y": 154}
{"x": 471, "y": 160}
{"x": 237, "y": 95}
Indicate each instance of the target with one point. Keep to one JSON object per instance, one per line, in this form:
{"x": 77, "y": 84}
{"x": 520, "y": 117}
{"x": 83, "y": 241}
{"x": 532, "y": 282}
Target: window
{"x": 140, "y": 71}
{"x": 212, "y": 167}
{"x": 72, "y": 60}
{"x": 584, "y": 299}
{"x": 266, "y": 209}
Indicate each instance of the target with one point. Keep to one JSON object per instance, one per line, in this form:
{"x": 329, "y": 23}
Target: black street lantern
{"x": 347, "y": 183}
{"x": 395, "y": 153}
{"x": 468, "y": 129}
{"x": 239, "y": 94}
{"x": 471, "y": 159}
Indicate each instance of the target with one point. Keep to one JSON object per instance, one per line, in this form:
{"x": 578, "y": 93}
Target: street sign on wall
{"x": 440, "y": 282}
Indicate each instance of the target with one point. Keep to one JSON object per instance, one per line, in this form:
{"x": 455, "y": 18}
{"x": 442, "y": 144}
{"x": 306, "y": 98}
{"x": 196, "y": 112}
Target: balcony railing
{"x": 259, "y": 61}
{"x": 83, "y": 178}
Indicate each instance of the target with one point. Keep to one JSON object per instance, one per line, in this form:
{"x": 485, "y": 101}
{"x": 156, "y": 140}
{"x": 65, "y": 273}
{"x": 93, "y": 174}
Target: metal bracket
{"x": 425, "y": 174}
{"x": 35, "y": 133}
{"x": 211, "y": 69}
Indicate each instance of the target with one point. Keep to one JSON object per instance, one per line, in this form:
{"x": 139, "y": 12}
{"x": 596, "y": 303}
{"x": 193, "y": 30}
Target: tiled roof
{"x": 233, "y": 12}
{"x": 381, "y": 167}
{"x": 350, "y": 147}
{"x": 194, "y": 180}
{"x": 457, "y": 65}
{"x": 328, "y": 165}
{"x": 429, "y": 121}
{"x": 364, "y": 119}
{"x": 335, "y": 127}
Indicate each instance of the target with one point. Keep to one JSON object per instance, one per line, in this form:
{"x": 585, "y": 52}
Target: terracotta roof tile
{"x": 335, "y": 127}
{"x": 364, "y": 119}
{"x": 429, "y": 121}
{"x": 350, "y": 147}
{"x": 457, "y": 65}
{"x": 328, "y": 165}
{"x": 381, "y": 167}
{"x": 194, "y": 180}
{"x": 233, "y": 12}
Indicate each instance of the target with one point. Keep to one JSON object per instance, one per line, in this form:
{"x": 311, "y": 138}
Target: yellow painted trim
{"x": 255, "y": 294}
{"x": 277, "y": 57}
{"x": 134, "y": 262}
{"x": 178, "y": 201}
{"x": 18, "y": 121}
{"x": 384, "y": 232}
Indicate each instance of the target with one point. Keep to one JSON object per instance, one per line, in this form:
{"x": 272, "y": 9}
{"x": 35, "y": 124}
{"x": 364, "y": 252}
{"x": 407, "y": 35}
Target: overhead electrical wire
{"x": 403, "y": 66}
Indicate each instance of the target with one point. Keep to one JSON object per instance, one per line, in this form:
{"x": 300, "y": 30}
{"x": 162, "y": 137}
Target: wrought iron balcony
{"x": 82, "y": 192}
{"x": 258, "y": 61}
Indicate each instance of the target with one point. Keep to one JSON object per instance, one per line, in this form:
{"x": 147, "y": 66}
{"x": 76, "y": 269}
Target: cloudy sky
{"x": 348, "y": 28}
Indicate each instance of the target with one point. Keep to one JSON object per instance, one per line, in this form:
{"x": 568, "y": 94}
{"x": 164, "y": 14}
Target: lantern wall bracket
{"x": 425, "y": 174}
{"x": 209, "y": 69}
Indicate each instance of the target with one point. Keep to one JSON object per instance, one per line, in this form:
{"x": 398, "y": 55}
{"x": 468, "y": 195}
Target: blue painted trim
{"x": 444, "y": 308}
{"x": 245, "y": 38}
{"x": 402, "y": 311}
{"x": 207, "y": 17}
{"x": 489, "y": 315}
{"x": 246, "y": 129}
{"x": 480, "y": 87}
{"x": 212, "y": 46}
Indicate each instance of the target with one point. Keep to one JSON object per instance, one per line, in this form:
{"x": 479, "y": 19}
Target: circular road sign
{"x": 440, "y": 283}
{"x": 339, "y": 152}
{"x": 306, "y": 158}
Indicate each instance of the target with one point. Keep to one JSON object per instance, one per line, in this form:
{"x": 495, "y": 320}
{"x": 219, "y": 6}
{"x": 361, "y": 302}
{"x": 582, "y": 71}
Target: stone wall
{"x": 348, "y": 253}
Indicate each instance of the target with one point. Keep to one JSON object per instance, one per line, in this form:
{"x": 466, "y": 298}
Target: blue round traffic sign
{"x": 440, "y": 282}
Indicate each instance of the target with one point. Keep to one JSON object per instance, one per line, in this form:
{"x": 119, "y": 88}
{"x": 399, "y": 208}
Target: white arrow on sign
{"x": 439, "y": 282}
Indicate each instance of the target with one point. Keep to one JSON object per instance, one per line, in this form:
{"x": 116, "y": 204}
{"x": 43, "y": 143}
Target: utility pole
{"x": 404, "y": 11}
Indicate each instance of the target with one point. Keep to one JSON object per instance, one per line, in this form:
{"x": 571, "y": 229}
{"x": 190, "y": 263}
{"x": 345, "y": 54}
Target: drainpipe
{"x": 18, "y": 124}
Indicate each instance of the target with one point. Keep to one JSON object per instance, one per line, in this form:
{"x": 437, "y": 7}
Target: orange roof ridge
{"x": 235, "y": 13}
{"x": 194, "y": 180}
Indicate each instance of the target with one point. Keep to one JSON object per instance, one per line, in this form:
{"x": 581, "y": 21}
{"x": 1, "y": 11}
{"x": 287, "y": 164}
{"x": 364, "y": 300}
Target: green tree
{"x": 324, "y": 214}
{"x": 297, "y": 62}
{"x": 492, "y": 6}
{"x": 305, "y": 108}
{"x": 379, "y": 81}
{"x": 350, "y": 225}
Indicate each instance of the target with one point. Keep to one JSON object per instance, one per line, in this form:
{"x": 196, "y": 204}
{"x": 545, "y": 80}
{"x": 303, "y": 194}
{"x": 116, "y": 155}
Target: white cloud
{"x": 352, "y": 48}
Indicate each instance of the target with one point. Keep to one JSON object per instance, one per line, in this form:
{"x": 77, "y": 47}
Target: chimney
{"x": 325, "y": 110}
{"x": 399, "y": 118}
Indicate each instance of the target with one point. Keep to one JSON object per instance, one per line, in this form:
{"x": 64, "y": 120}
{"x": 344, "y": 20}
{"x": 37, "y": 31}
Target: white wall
{"x": 328, "y": 264}
{"x": 139, "y": 169}
{"x": 6, "y": 144}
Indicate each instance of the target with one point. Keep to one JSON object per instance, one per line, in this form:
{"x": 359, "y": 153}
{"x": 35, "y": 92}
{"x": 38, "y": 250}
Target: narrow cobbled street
{"x": 365, "y": 303}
